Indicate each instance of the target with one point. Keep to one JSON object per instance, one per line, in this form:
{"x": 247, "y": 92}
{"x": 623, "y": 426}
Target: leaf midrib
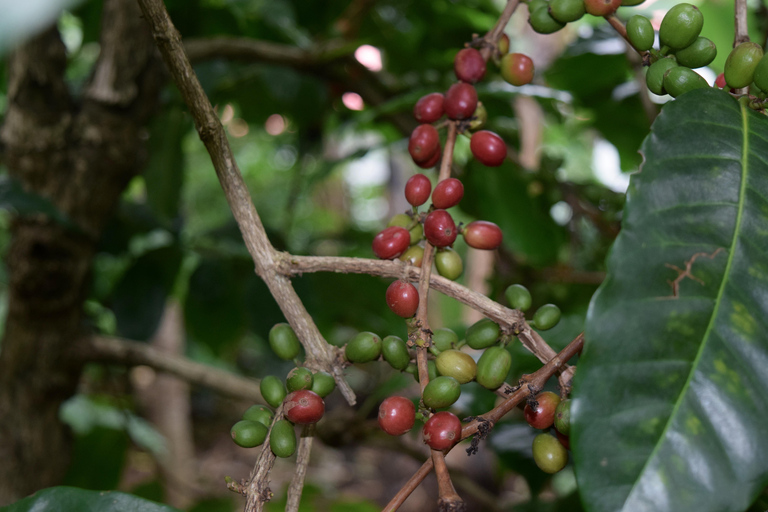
{"x": 718, "y": 298}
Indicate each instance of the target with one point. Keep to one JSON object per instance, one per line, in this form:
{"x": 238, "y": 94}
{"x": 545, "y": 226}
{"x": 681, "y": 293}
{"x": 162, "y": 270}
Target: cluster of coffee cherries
{"x": 549, "y": 16}
{"x": 544, "y": 411}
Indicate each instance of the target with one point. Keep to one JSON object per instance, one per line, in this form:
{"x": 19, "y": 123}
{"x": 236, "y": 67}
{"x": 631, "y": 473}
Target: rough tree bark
{"x": 80, "y": 154}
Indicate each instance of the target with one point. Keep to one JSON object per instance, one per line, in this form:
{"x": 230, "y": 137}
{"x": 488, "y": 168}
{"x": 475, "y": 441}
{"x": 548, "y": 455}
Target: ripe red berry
{"x": 439, "y": 228}
{"x": 482, "y": 234}
{"x": 460, "y": 101}
{"x": 601, "y": 7}
{"x": 424, "y": 143}
{"x": 391, "y": 242}
{"x": 417, "y": 189}
{"x": 469, "y": 65}
{"x": 428, "y": 164}
{"x": 564, "y": 440}
{"x": 429, "y": 108}
{"x": 402, "y": 298}
{"x": 488, "y": 148}
{"x": 442, "y": 430}
{"x": 517, "y": 69}
{"x": 303, "y": 407}
{"x": 447, "y": 193}
{"x": 397, "y": 415}
{"x": 543, "y": 416}
{"x": 720, "y": 81}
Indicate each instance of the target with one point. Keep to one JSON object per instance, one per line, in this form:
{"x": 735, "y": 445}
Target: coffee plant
{"x": 658, "y": 404}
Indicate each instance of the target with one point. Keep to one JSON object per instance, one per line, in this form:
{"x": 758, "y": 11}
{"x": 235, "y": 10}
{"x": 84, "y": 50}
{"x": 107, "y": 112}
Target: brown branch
{"x": 257, "y": 491}
{"x": 449, "y": 500}
{"x": 302, "y": 461}
{"x": 741, "y": 30}
{"x": 320, "y": 355}
{"x": 492, "y": 37}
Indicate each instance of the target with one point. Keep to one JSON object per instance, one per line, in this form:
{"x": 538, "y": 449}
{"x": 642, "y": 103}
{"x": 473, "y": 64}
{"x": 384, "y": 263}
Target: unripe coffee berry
{"x": 482, "y": 234}
{"x": 391, "y": 242}
{"x": 549, "y": 454}
{"x": 448, "y": 263}
{"x": 460, "y": 101}
{"x": 424, "y": 143}
{"x": 442, "y": 430}
{"x": 248, "y": 434}
{"x": 413, "y": 256}
{"x": 283, "y": 341}
{"x": 397, "y": 415}
{"x": 364, "y": 347}
{"x": 517, "y": 69}
{"x": 429, "y": 108}
{"x": 447, "y": 193}
{"x": 488, "y": 148}
{"x": 299, "y": 378}
{"x": 681, "y": 26}
{"x": 546, "y": 317}
{"x": 456, "y": 364}
{"x": 303, "y": 407}
{"x": 469, "y": 65}
{"x": 402, "y": 298}
{"x": 417, "y": 189}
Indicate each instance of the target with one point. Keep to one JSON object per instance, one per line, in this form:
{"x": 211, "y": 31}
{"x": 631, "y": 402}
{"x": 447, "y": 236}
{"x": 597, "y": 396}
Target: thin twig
{"x": 257, "y": 491}
{"x": 493, "y": 35}
{"x": 741, "y": 30}
{"x": 302, "y": 461}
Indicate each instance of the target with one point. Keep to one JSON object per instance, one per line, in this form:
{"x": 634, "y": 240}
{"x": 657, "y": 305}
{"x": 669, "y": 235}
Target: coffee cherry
{"x": 761, "y": 74}
{"x": 517, "y": 69}
{"x": 456, "y": 364}
{"x": 439, "y": 228}
{"x": 391, "y": 242}
{"x": 503, "y": 44}
{"x": 448, "y": 263}
{"x": 299, "y": 378}
{"x": 543, "y": 415}
{"x": 741, "y": 64}
{"x": 483, "y": 333}
{"x": 469, "y": 65}
{"x": 518, "y": 297}
{"x": 283, "y": 341}
{"x": 272, "y": 390}
{"x": 432, "y": 372}
{"x": 566, "y": 11}
{"x": 282, "y": 439}
{"x": 404, "y": 221}
{"x": 413, "y": 256}
{"x": 441, "y": 392}
{"x": 479, "y": 117}
{"x": 402, "y": 298}
{"x": 563, "y": 417}
{"x": 699, "y": 54}
{"x": 543, "y": 22}
{"x": 260, "y": 414}
{"x": 429, "y": 108}
{"x": 564, "y": 440}
{"x": 395, "y": 352}
{"x": 397, "y": 415}
{"x": 460, "y": 101}
{"x": 432, "y": 161}
{"x": 680, "y": 26}
{"x": 323, "y": 383}
{"x": 679, "y": 80}
{"x": 601, "y": 7}
{"x": 417, "y": 189}
{"x": 549, "y": 454}
{"x": 493, "y": 367}
{"x": 303, "y": 407}
{"x": 424, "y": 143}
{"x": 640, "y": 32}
{"x": 482, "y": 234}
{"x": 546, "y": 317}
{"x": 654, "y": 77}
{"x": 248, "y": 434}
{"x": 364, "y": 347}
{"x": 447, "y": 193}
{"x": 720, "y": 80}
{"x": 488, "y": 148}
{"x": 444, "y": 339}
{"x": 442, "y": 431}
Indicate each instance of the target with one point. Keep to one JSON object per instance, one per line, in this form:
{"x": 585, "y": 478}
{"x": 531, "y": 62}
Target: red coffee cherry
{"x": 564, "y": 439}
{"x": 442, "y": 430}
{"x": 601, "y": 7}
{"x": 447, "y": 193}
{"x": 469, "y": 65}
{"x": 402, "y": 298}
{"x": 303, "y": 407}
{"x": 391, "y": 242}
{"x": 488, "y": 148}
{"x": 397, "y": 415}
{"x": 417, "y": 189}
{"x": 428, "y": 164}
{"x": 543, "y": 416}
{"x": 720, "y": 81}
{"x": 517, "y": 69}
{"x": 482, "y": 234}
{"x": 424, "y": 143}
{"x": 439, "y": 228}
{"x": 429, "y": 108}
{"x": 460, "y": 101}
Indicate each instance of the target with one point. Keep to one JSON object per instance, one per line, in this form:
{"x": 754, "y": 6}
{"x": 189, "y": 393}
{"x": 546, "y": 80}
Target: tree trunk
{"x": 79, "y": 155}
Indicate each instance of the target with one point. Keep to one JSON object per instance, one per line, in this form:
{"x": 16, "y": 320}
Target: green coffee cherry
{"x": 536, "y": 4}
{"x": 441, "y": 392}
{"x": 282, "y": 439}
{"x": 701, "y": 53}
{"x": 432, "y": 372}
{"x": 283, "y": 341}
{"x": 681, "y": 26}
{"x": 542, "y": 22}
{"x": 448, "y": 263}
{"x": 248, "y": 434}
{"x": 260, "y": 414}
{"x": 493, "y": 367}
{"x": 456, "y": 364}
{"x": 566, "y": 11}
{"x": 549, "y": 454}
{"x": 364, "y": 347}
{"x": 444, "y": 339}
{"x": 679, "y": 80}
{"x": 654, "y": 78}
{"x": 563, "y": 417}
{"x": 546, "y": 317}
{"x": 761, "y": 74}
{"x": 483, "y": 334}
{"x": 299, "y": 378}
{"x": 323, "y": 383}
{"x": 404, "y": 220}
{"x": 395, "y": 352}
{"x": 272, "y": 390}
{"x": 640, "y": 32}
{"x": 630, "y": 3}
{"x": 518, "y": 297}
{"x": 741, "y": 64}
{"x": 479, "y": 118}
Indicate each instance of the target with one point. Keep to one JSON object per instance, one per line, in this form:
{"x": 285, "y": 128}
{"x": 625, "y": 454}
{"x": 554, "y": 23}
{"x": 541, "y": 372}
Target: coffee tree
{"x": 658, "y": 404}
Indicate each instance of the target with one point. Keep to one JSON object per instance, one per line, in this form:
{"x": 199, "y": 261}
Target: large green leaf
{"x": 72, "y": 499}
{"x": 670, "y": 409}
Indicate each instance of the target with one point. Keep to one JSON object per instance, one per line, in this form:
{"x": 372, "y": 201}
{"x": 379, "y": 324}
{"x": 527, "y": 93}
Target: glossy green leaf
{"x": 72, "y": 499}
{"x": 671, "y": 409}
